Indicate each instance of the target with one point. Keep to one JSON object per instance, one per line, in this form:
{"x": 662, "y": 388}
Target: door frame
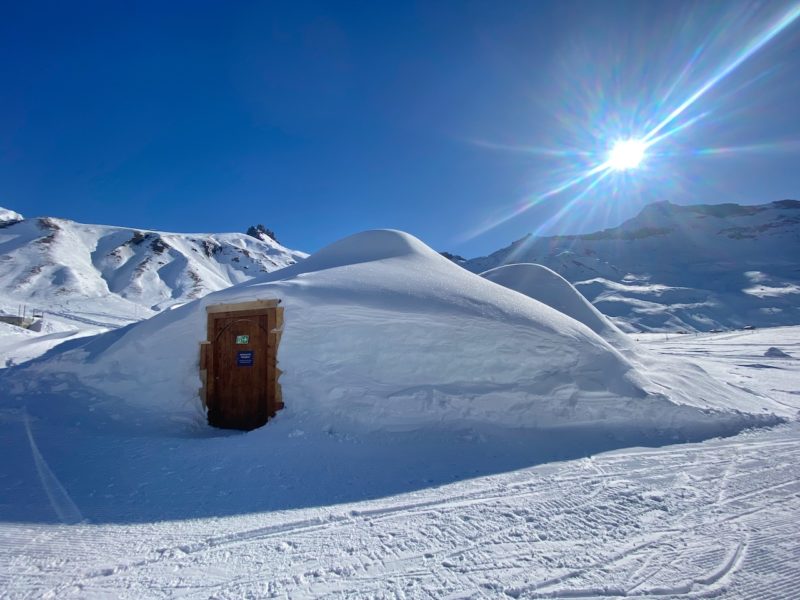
{"x": 248, "y": 308}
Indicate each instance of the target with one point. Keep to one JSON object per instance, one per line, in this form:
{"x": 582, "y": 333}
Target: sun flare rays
{"x": 632, "y": 147}
{"x": 626, "y": 154}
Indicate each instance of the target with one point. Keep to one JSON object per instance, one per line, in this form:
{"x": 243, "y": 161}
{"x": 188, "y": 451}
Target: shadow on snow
{"x": 71, "y": 456}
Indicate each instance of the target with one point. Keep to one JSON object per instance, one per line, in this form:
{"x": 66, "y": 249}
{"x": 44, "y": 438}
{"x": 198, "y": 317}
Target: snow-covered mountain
{"x": 7, "y": 217}
{"x": 105, "y": 276}
{"x": 673, "y": 267}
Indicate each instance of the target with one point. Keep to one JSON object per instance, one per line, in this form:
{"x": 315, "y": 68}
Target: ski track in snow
{"x": 59, "y": 499}
{"x": 713, "y": 519}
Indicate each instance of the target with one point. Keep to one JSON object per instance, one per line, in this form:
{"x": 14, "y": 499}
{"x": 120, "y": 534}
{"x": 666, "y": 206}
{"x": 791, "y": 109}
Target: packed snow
{"x": 159, "y": 515}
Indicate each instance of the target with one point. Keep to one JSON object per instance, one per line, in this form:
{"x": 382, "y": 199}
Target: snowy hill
{"x": 548, "y": 287}
{"x": 672, "y": 267}
{"x": 95, "y": 277}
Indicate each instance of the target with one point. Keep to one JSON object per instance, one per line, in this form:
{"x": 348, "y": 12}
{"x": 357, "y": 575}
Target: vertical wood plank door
{"x": 242, "y": 367}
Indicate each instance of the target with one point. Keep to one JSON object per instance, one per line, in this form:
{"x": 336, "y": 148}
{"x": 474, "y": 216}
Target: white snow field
{"x": 712, "y": 519}
{"x": 443, "y": 436}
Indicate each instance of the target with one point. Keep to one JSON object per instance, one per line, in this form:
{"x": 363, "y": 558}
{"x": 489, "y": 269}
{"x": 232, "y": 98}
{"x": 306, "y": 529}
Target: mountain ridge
{"x": 672, "y": 267}
{"x": 58, "y": 265}
{"x": 680, "y": 267}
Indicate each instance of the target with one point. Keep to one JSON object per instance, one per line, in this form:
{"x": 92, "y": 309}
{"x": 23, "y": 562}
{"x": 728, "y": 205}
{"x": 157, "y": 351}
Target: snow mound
{"x": 9, "y": 216}
{"x": 550, "y": 288}
{"x": 773, "y": 352}
{"x": 367, "y": 246}
{"x": 383, "y": 334}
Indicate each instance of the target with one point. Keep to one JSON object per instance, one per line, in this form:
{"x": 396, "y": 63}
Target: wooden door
{"x": 240, "y": 368}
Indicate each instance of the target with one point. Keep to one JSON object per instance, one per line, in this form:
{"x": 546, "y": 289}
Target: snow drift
{"x": 383, "y": 333}
{"x": 550, "y": 288}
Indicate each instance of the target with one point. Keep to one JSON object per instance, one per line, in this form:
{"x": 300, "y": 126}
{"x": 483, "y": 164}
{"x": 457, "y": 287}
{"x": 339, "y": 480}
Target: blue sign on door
{"x": 244, "y": 358}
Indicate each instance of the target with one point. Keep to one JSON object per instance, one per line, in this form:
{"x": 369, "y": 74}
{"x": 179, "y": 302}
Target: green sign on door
{"x": 242, "y": 339}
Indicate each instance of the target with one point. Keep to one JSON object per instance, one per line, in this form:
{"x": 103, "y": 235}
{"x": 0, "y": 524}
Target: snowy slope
{"x": 91, "y": 278}
{"x": 547, "y": 286}
{"x": 262, "y": 515}
{"x": 675, "y": 267}
{"x": 712, "y": 520}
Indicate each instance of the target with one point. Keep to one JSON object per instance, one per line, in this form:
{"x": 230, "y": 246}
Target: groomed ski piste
{"x": 445, "y": 435}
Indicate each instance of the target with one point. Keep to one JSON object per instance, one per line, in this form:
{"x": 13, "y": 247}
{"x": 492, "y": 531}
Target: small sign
{"x": 242, "y": 339}
{"x": 244, "y": 358}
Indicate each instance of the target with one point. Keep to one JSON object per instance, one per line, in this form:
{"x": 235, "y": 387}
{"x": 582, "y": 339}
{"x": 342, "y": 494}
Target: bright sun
{"x": 626, "y": 154}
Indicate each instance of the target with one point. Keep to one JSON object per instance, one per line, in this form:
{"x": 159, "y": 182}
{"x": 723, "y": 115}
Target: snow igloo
{"x": 379, "y": 332}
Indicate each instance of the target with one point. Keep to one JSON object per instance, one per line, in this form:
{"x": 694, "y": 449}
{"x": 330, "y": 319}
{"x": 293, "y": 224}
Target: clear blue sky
{"x": 323, "y": 119}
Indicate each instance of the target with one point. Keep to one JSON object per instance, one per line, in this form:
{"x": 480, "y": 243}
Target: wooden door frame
{"x": 248, "y": 308}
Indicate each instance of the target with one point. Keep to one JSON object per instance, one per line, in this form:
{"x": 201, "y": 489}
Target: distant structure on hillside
{"x": 33, "y": 321}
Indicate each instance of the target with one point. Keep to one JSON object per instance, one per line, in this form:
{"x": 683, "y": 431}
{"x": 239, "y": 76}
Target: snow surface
{"x": 162, "y": 514}
{"x": 384, "y": 334}
{"x": 547, "y": 286}
{"x": 18, "y": 345}
{"x": 680, "y": 268}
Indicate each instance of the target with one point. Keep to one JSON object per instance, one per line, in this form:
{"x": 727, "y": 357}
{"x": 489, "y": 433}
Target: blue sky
{"x": 439, "y": 118}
